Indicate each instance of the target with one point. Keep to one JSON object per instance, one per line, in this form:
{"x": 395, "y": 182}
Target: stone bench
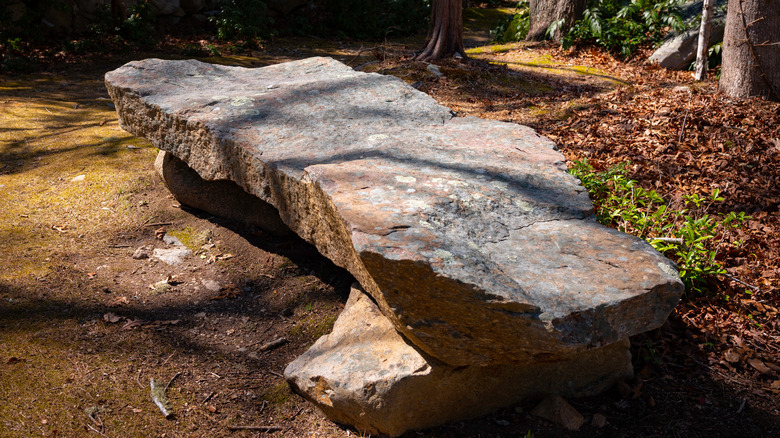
{"x": 470, "y": 237}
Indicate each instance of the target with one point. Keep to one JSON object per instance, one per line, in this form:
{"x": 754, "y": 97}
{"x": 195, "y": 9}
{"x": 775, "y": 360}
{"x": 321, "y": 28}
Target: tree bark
{"x": 542, "y": 13}
{"x": 751, "y": 49}
{"x": 702, "y": 52}
{"x": 445, "y": 36}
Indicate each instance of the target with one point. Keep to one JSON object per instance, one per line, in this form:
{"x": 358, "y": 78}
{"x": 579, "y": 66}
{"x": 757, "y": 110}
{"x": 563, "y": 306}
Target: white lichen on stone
{"x": 445, "y": 256}
{"x": 405, "y": 179}
{"x": 524, "y": 206}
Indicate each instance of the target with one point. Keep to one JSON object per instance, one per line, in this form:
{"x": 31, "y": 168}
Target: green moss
{"x": 278, "y": 394}
{"x": 192, "y": 238}
{"x": 484, "y": 18}
{"x": 312, "y": 327}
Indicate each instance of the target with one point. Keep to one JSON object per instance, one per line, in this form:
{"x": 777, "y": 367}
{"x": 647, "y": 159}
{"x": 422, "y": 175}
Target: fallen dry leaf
{"x": 759, "y": 365}
{"x": 732, "y": 356}
{"x": 132, "y": 323}
{"x": 118, "y": 301}
{"x": 112, "y": 317}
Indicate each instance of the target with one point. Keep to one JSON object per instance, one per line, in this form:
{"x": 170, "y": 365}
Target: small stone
{"x": 78, "y": 178}
{"x": 172, "y": 240}
{"x": 211, "y": 285}
{"x": 433, "y": 68}
{"x": 172, "y": 256}
{"x": 141, "y": 253}
{"x": 598, "y": 421}
{"x": 556, "y": 410}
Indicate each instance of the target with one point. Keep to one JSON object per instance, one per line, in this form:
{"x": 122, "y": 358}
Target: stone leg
{"x": 366, "y": 375}
{"x": 221, "y": 198}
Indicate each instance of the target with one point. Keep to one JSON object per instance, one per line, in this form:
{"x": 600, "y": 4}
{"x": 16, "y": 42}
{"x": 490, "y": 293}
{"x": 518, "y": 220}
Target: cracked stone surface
{"x": 468, "y": 233}
{"x": 366, "y": 375}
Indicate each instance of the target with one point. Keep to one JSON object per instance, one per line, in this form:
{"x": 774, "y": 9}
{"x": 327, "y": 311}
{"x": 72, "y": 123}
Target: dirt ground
{"x": 86, "y": 321}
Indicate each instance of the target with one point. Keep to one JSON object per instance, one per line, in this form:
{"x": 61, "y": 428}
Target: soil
{"x": 86, "y": 322}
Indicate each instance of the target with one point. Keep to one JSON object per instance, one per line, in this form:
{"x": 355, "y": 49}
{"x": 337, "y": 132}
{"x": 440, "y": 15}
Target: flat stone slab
{"x": 366, "y": 375}
{"x": 469, "y": 233}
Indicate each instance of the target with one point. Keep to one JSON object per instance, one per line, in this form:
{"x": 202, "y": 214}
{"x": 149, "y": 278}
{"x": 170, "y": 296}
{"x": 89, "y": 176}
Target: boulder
{"x": 221, "y": 198}
{"x": 366, "y": 375}
{"x": 679, "y": 48}
{"x": 470, "y": 234}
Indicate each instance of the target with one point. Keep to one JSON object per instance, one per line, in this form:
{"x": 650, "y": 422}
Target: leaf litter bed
{"x": 86, "y": 325}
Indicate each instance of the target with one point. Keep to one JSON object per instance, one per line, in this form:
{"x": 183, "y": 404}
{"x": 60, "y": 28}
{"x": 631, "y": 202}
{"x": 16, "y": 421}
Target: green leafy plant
{"x": 621, "y": 26}
{"x": 512, "y": 28}
{"x": 714, "y": 56}
{"x": 243, "y": 19}
{"x": 683, "y": 231}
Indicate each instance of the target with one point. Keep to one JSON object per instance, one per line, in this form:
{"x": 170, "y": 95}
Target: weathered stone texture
{"x": 468, "y": 233}
{"x": 366, "y": 375}
{"x": 221, "y": 198}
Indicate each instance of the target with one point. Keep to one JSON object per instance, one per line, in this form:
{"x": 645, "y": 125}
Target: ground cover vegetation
{"x": 86, "y": 325}
{"x": 620, "y": 26}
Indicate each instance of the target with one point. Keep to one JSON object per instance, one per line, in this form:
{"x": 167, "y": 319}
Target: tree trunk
{"x": 542, "y": 13}
{"x": 702, "y": 52}
{"x": 445, "y": 36}
{"x": 751, "y": 49}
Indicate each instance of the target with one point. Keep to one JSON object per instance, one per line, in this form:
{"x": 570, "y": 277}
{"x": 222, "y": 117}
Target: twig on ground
{"x": 96, "y": 431}
{"x": 274, "y": 373}
{"x": 158, "y": 224}
{"x": 733, "y": 278}
{"x": 257, "y": 428}
{"x": 276, "y": 343}
{"x": 356, "y": 56}
{"x": 685, "y": 120}
{"x": 171, "y": 381}
{"x": 209, "y": 397}
{"x": 295, "y": 414}
{"x": 138, "y": 379}
{"x": 171, "y": 355}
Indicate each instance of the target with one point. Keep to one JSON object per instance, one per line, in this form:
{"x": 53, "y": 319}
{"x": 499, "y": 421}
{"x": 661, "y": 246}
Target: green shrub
{"x": 135, "y": 30}
{"x": 243, "y": 19}
{"x": 374, "y": 19}
{"x": 621, "y": 26}
{"x": 714, "y": 57}
{"x": 514, "y": 28}
{"x": 684, "y": 232}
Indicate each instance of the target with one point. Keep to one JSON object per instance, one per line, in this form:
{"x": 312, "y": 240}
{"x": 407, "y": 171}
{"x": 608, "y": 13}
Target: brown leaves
{"x": 759, "y": 365}
{"x": 113, "y": 318}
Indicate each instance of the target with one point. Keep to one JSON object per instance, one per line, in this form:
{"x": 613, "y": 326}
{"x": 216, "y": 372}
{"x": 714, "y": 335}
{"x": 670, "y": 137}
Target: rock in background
{"x": 679, "y": 49}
